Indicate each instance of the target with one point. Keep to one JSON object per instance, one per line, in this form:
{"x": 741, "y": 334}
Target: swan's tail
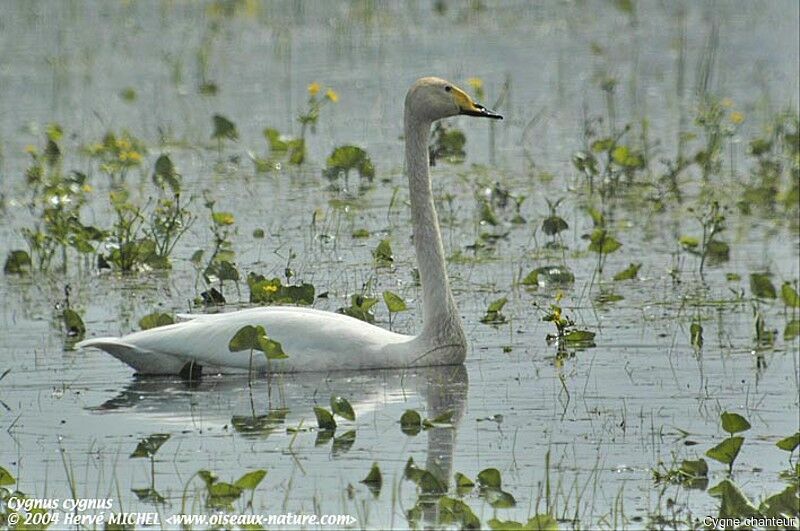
{"x": 143, "y": 361}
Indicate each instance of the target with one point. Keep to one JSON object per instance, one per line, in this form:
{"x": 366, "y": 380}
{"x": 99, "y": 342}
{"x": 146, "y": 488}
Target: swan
{"x": 316, "y": 340}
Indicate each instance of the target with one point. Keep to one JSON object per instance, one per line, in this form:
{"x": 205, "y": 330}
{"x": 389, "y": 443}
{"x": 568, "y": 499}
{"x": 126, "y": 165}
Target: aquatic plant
{"x": 273, "y": 291}
{"x": 494, "y": 314}
{"x": 394, "y": 303}
{"x": 447, "y": 143}
{"x": 148, "y": 448}
{"x": 254, "y": 338}
{"x": 384, "y": 257}
{"x": 219, "y": 266}
{"x": 345, "y": 159}
{"x": 411, "y": 422}
{"x": 221, "y": 495}
{"x": 566, "y": 333}
{"x": 224, "y": 129}
{"x": 374, "y": 480}
{"x": 708, "y": 247}
{"x": 55, "y": 205}
{"x": 341, "y": 406}
{"x": 154, "y": 320}
{"x": 601, "y": 239}
{"x": 117, "y": 154}
{"x": 360, "y": 307}
{"x": 553, "y": 224}
{"x": 727, "y": 451}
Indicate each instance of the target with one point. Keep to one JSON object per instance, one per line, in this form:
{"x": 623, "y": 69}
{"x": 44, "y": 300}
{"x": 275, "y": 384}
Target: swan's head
{"x": 432, "y": 98}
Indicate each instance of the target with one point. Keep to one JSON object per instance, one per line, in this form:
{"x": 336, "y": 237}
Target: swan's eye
{"x": 448, "y": 88}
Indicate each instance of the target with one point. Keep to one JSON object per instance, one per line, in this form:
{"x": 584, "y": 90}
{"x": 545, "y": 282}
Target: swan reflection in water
{"x": 381, "y": 396}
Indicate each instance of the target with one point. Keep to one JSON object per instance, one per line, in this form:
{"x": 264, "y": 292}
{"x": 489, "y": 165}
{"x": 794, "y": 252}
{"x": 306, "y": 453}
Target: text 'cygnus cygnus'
{"x": 315, "y": 340}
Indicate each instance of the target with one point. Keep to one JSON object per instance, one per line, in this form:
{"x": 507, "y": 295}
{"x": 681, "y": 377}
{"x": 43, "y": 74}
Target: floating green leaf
{"x": 165, "y": 174}
{"x": 250, "y": 480}
{"x": 629, "y": 272}
{"x": 73, "y": 323}
{"x": 579, "y": 336}
{"x": 272, "y": 349}
{"x": 789, "y": 443}
{"x": 453, "y": 511}
{"x": 411, "y": 422}
{"x": 246, "y": 338}
{"x": 221, "y": 495}
{"x": 325, "y": 419}
{"x": 540, "y": 522}
{"x": 463, "y": 483}
{"x": 223, "y": 218}
{"x": 343, "y": 159}
{"x": 696, "y": 334}
{"x": 733, "y": 504}
{"x": 552, "y": 225}
{"x": 428, "y": 482}
{"x": 148, "y": 446}
{"x": 6, "y": 478}
{"x": 546, "y": 276}
{"x": 155, "y": 320}
{"x": 340, "y": 406}
{"x": 694, "y": 469}
{"x": 490, "y": 477}
{"x": 445, "y": 417}
{"x": 602, "y": 242}
{"x": 224, "y": 128}
{"x": 383, "y": 253}
{"x": 374, "y": 479}
{"x": 360, "y": 308}
{"x": 726, "y": 451}
{"x": 272, "y": 291}
{"x": 792, "y": 330}
{"x": 394, "y": 303}
{"x": 762, "y": 286}
{"x": 782, "y": 504}
{"x": 499, "y": 499}
{"x": 789, "y": 296}
{"x": 343, "y": 442}
{"x": 734, "y": 423}
{"x": 493, "y": 312}
{"x": 689, "y": 242}
{"x": 17, "y": 263}
{"x": 148, "y": 495}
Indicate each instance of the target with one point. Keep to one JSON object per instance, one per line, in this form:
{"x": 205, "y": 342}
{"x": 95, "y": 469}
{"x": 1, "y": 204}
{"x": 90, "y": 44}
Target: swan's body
{"x": 315, "y": 340}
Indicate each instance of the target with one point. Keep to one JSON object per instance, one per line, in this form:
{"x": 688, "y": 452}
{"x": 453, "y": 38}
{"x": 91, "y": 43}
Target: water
{"x": 606, "y": 416}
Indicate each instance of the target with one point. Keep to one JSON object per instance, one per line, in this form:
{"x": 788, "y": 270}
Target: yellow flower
{"x": 123, "y": 144}
{"x": 270, "y": 288}
{"x": 133, "y": 157}
{"x": 313, "y": 89}
{"x": 477, "y": 86}
{"x": 727, "y": 103}
{"x": 476, "y": 83}
{"x": 30, "y": 149}
{"x": 332, "y": 95}
{"x": 737, "y": 117}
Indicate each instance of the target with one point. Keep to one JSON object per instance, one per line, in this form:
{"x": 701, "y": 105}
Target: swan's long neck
{"x": 442, "y": 324}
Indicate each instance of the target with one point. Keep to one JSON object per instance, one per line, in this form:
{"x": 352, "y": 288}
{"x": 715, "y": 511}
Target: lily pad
{"x": 340, "y": 406}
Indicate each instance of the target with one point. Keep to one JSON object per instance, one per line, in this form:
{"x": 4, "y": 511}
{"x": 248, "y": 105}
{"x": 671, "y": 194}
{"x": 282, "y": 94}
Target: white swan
{"x": 315, "y": 340}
